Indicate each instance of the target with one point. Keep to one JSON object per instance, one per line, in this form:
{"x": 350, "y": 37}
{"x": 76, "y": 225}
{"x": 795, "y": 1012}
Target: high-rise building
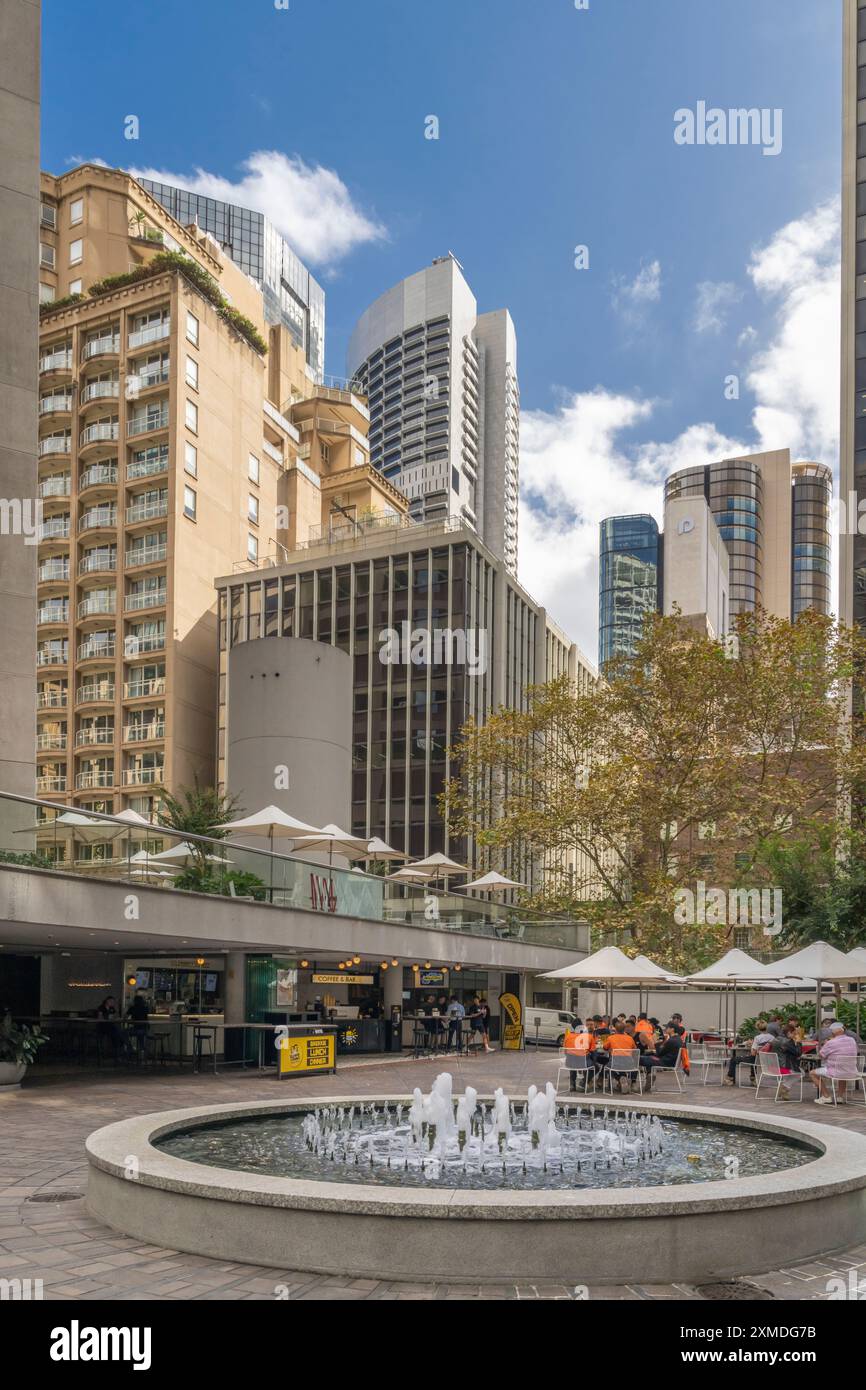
{"x": 852, "y": 434}
{"x": 291, "y": 295}
{"x": 19, "y": 215}
{"x": 629, "y": 582}
{"x": 380, "y": 597}
{"x": 696, "y": 569}
{"x": 775, "y": 522}
{"x": 160, "y": 461}
{"x": 441, "y": 381}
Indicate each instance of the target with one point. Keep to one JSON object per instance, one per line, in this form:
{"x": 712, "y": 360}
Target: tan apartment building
{"x": 175, "y": 443}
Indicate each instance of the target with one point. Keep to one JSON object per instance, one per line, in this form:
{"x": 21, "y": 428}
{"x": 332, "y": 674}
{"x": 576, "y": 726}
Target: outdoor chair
{"x": 622, "y": 1065}
{"x": 769, "y": 1069}
{"x": 675, "y": 1072}
{"x": 579, "y": 1065}
{"x": 705, "y": 1056}
{"x": 852, "y": 1075}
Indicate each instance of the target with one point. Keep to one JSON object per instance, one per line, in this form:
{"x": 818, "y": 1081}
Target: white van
{"x": 547, "y": 1025}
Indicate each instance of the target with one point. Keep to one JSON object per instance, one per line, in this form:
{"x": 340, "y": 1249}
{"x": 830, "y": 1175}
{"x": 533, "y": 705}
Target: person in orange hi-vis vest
{"x": 578, "y": 1042}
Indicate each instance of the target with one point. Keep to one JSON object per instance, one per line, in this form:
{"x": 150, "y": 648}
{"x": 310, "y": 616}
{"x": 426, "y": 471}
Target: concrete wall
{"x": 290, "y": 706}
{"x": 80, "y": 981}
{"x": 19, "y": 217}
{"x": 696, "y": 563}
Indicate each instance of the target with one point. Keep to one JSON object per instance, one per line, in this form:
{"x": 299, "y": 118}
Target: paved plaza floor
{"x": 46, "y": 1232}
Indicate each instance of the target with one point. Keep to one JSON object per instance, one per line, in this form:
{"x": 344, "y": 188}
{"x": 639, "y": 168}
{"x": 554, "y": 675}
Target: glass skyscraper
{"x": 291, "y": 295}
{"x": 629, "y": 583}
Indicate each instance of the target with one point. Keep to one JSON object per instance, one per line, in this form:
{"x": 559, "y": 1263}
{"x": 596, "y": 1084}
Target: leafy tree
{"x": 823, "y": 885}
{"x": 196, "y": 879}
{"x": 676, "y": 766}
{"x": 199, "y": 811}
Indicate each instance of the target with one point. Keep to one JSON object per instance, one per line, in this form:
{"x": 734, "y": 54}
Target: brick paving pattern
{"x": 43, "y": 1127}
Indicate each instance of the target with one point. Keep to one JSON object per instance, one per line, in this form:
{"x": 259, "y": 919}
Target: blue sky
{"x": 556, "y": 129}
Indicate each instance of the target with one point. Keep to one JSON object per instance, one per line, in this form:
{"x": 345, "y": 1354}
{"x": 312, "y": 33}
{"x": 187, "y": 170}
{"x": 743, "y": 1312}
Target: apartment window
{"x": 47, "y": 294}
{"x": 192, "y": 373}
{"x": 252, "y": 548}
{"x": 47, "y": 257}
{"x": 75, "y": 286}
{"x": 192, "y": 416}
{"x": 253, "y": 509}
{"x": 253, "y": 469}
{"x": 190, "y": 459}
{"x": 48, "y": 215}
{"x": 190, "y": 501}
{"x": 192, "y": 329}
{"x": 76, "y": 211}
{"x": 76, "y": 252}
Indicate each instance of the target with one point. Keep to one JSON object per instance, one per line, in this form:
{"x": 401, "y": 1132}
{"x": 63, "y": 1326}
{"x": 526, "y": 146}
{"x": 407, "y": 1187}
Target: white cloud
{"x": 713, "y": 302}
{"x": 575, "y": 470}
{"x": 310, "y": 205}
{"x": 631, "y": 298}
{"x": 795, "y": 378}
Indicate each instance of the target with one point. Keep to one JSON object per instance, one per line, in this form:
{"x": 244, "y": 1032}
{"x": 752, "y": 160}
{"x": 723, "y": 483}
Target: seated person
{"x": 579, "y": 1041}
{"x": 839, "y": 1062}
{"x": 619, "y": 1043}
{"x": 667, "y": 1051}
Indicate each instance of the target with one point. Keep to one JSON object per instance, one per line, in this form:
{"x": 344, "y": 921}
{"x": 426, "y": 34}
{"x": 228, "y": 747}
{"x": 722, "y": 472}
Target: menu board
{"x": 306, "y": 1052}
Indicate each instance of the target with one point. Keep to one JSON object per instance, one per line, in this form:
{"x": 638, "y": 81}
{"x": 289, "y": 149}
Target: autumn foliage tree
{"x": 687, "y": 756}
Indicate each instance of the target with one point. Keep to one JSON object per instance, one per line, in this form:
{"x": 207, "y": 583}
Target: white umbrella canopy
{"x": 610, "y": 964}
{"x": 733, "y": 965}
{"x": 270, "y": 821}
{"x": 331, "y": 838}
{"x": 440, "y": 863}
{"x": 87, "y": 829}
{"x": 180, "y": 854}
{"x": 818, "y": 961}
{"x": 377, "y": 849}
{"x": 491, "y": 883}
{"x": 408, "y": 875}
{"x": 659, "y": 972}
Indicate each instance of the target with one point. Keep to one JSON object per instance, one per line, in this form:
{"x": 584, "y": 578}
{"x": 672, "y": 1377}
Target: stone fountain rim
{"x": 839, "y": 1167}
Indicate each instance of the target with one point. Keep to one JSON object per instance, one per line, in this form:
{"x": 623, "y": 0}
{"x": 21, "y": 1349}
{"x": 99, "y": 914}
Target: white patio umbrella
{"x": 733, "y": 968}
{"x": 331, "y": 837}
{"x": 662, "y": 976}
{"x": 180, "y": 855}
{"x": 273, "y": 822}
{"x": 408, "y": 875}
{"x": 491, "y": 883}
{"x": 609, "y": 965}
{"x": 441, "y": 866}
{"x": 377, "y": 849}
{"x": 821, "y": 962}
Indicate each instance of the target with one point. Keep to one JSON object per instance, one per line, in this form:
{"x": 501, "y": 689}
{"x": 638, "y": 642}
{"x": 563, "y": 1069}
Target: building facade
{"x": 19, "y": 213}
{"x": 291, "y": 295}
{"x": 441, "y": 381}
{"x": 775, "y": 522}
{"x": 437, "y": 632}
{"x": 629, "y": 582}
{"x": 160, "y": 458}
{"x": 696, "y": 566}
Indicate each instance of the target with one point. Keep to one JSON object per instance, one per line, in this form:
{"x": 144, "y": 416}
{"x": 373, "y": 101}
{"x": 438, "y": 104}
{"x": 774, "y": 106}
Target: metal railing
{"x": 145, "y": 468}
{"x": 108, "y": 343}
{"x": 144, "y": 424}
{"x": 147, "y": 511}
{"x": 100, "y": 391}
{"x": 153, "y": 333}
{"x": 153, "y": 598}
{"x": 55, "y": 444}
{"x": 145, "y": 555}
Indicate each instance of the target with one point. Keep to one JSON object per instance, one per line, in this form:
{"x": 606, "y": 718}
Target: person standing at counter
{"x": 137, "y": 1014}
{"x": 107, "y": 1026}
{"x": 456, "y": 1014}
{"x": 479, "y": 1017}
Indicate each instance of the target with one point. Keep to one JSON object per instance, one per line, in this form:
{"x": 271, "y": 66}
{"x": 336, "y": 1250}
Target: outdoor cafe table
{"x": 201, "y": 1028}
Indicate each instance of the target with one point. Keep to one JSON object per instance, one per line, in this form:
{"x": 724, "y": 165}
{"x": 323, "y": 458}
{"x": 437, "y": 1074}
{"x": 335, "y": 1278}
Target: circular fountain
{"x": 506, "y": 1188}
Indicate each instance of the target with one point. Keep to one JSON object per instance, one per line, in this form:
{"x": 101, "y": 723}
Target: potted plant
{"x": 18, "y": 1048}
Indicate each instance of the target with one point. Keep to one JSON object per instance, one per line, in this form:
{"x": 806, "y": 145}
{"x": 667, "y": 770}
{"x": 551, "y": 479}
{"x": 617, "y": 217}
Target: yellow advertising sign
{"x": 512, "y": 1031}
{"x": 310, "y": 1052}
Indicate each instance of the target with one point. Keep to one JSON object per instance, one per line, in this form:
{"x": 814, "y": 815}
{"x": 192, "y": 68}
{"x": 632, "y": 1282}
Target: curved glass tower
{"x": 810, "y": 520}
{"x": 734, "y": 491}
{"x": 629, "y": 582}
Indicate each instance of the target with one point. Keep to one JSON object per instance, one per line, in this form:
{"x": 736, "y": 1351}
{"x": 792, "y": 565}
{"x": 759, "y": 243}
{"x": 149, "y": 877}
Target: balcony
{"x": 94, "y": 606}
{"x": 145, "y": 555}
{"x": 102, "y": 432}
{"x": 54, "y": 656}
{"x": 280, "y": 421}
{"x": 55, "y": 487}
{"x": 50, "y": 743}
{"x": 136, "y": 690}
{"x": 50, "y": 784}
{"x": 98, "y": 475}
{"x": 146, "y": 424}
{"x": 144, "y": 733}
{"x": 108, "y": 345}
{"x": 54, "y": 444}
{"x": 146, "y": 468}
{"x": 84, "y": 781}
{"x": 52, "y": 613}
{"x": 134, "y": 645}
{"x": 86, "y": 738}
{"x": 98, "y": 562}
{"x": 146, "y": 511}
{"x": 153, "y": 333}
{"x": 58, "y": 361}
{"x": 95, "y": 693}
{"x": 52, "y": 699}
{"x": 56, "y": 528}
{"x": 100, "y": 391}
{"x": 98, "y": 518}
{"x": 151, "y": 598}
{"x": 149, "y": 377}
{"x": 272, "y": 452}
{"x": 60, "y": 404}
{"x": 142, "y": 776}
{"x": 96, "y": 649}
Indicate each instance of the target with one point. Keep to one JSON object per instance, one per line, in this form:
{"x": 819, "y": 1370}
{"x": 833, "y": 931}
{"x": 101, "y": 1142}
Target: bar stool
{"x": 419, "y": 1041}
{"x": 202, "y": 1037}
{"x": 155, "y": 1048}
